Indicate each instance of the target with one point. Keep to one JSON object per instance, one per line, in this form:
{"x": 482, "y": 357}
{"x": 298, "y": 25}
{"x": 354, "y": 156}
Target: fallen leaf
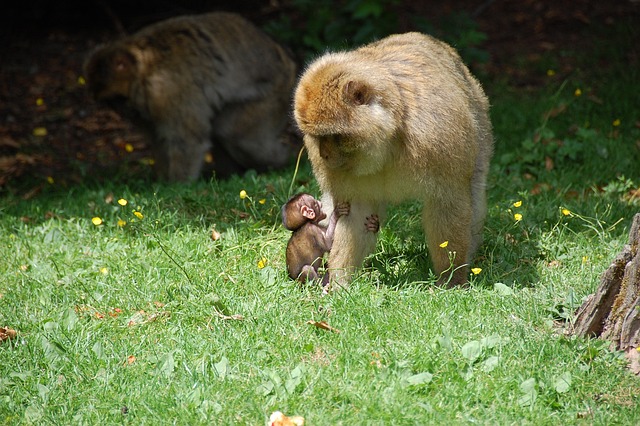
{"x": 241, "y": 215}
{"x": 7, "y": 333}
{"x": 279, "y": 419}
{"x": 548, "y": 163}
{"x": 323, "y": 325}
{"x": 584, "y": 414}
{"x": 215, "y": 235}
{"x": 131, "y": 359}
{"x": 8, "y": 142}
{"x": 236, "y": 317}
{"x": 554, "y": 112}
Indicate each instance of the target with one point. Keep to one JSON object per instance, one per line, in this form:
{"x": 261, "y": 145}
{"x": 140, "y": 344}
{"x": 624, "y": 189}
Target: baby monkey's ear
{"x": 357, "y": 93}
{"x": 308, "y": 212}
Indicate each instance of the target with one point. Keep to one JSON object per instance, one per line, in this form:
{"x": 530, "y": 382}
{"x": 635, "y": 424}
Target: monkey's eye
{"x": 334, "y": 138}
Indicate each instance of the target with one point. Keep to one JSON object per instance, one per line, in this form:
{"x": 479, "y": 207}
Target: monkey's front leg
{"x": 352, "y": 242}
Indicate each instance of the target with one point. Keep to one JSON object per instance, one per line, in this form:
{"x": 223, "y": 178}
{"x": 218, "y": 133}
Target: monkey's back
{"x": 221, "y": 52}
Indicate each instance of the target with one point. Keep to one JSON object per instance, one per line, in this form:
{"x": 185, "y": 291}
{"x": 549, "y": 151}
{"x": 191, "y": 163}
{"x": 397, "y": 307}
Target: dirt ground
{"x": 51, "y": 132}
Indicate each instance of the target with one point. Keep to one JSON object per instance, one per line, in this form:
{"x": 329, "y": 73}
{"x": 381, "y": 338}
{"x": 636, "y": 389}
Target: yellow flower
{"x": 577, "y": 93}
{"x": 122, "y": 202}
{"x": 476, "y": 271}
{"x": 82, "y": 81}
{"x": 262, "y": 201}
{"x": 517, "y": 217}
{"x": 262, "y": 263}
{"x": 50, "y": 180}
{"x": 444, "y": 244}
{"x": 585, "y": 259}
{"x": 40, "y": 131}
{"x": 566, "y": 212}
{"x": 138, "y": 214}
{"x": 128, "y": 147}
{"x": 39, "y": 101}
{"x": 243, "y": 194}
{"x": 96, "y": 221}
{"x": 551, "y": 73}
{"x": 121, "y": 223}
{"x": 616, "y": 122}
{"x": 104, "y": 270}
{"x": 517, "y": 203}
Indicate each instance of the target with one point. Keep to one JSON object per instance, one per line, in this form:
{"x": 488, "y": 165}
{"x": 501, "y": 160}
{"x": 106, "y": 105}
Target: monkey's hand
{"x": 343, "y": 209}
{"x": 373, "y": 223}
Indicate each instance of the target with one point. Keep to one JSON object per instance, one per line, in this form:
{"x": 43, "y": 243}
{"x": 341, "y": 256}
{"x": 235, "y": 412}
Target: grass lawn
{"x": 127, "y": 311}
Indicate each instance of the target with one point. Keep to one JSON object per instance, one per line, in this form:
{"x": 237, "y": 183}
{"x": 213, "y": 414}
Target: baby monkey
{"x": 310, "y": 241}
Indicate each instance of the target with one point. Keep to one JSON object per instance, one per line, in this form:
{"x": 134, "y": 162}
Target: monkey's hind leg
{"x": 308, "y": 274}
{"x": 447, "y": 223}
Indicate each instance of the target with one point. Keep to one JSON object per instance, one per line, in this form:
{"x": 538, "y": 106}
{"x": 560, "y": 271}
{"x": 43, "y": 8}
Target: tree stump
{"x": 613, "y": 312}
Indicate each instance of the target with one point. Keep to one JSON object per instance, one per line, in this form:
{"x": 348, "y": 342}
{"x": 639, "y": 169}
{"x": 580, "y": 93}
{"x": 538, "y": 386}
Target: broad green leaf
{"x": 472, "y": 350}
{"x": 222, "y": 367}
{"x": 70, "y": 319}
{"x": 490, "y": 364}
{"x": 43, "y": 391}
{"x": 528, "y": 385}
{"x": 419, "y": 379}
{"x": 562, "y": 383}
{"x": 503, "y": 289}
{"x": 491, "y": 341}
{"x": 294, "y": 380}
{"x": 166, "y": 365}
{"x": 265, "y": 388}
{"x": 98, "y": 350}
{"x": 529, "y": 393}
{"x": 445, "y": 342}
{"x": 33, "y": 414}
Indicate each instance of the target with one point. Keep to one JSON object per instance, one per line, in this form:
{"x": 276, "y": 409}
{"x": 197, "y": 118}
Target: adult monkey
{"x": 398, "y": 119}
{"x": 197, "y": 83}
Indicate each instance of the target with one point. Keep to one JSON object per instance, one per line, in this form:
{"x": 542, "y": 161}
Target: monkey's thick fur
{"x": 401, "y": 118}
{"x": 195, "y": 80}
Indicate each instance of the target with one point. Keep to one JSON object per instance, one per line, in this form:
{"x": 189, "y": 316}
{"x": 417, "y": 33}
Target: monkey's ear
{"x": 357, "y": 93}
{"x": 123, "y": 61}
{"x": 308, "y": 212}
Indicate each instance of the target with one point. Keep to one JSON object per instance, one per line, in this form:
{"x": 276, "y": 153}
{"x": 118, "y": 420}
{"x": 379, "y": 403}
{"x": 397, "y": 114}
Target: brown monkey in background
{"x": 398, "y": 119}
{"x": 310, "y": 241}
{"x": 195, "y": 81}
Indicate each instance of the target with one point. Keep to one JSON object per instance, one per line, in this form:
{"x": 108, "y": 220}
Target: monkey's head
{"x": 110, "y": 71}
{"x": 300, "y": 209}
{"x": 347, "y": 114}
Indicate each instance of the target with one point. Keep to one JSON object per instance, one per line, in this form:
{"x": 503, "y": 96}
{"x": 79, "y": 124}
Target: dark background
{"x": 44, "y": 43}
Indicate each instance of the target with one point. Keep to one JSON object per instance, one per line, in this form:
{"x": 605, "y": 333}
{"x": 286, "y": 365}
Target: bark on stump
{"x": 613, "y": 312}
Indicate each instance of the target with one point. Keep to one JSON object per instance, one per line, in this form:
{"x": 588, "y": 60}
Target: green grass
{"x": 135, "y": 324}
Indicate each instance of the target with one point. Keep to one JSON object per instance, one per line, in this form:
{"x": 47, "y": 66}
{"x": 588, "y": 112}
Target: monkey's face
{"x": 350, "y": 154}
{"x": 348, "y": 124}
{"x": 110, "y": 73}
{"x": 335, "y": 153}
